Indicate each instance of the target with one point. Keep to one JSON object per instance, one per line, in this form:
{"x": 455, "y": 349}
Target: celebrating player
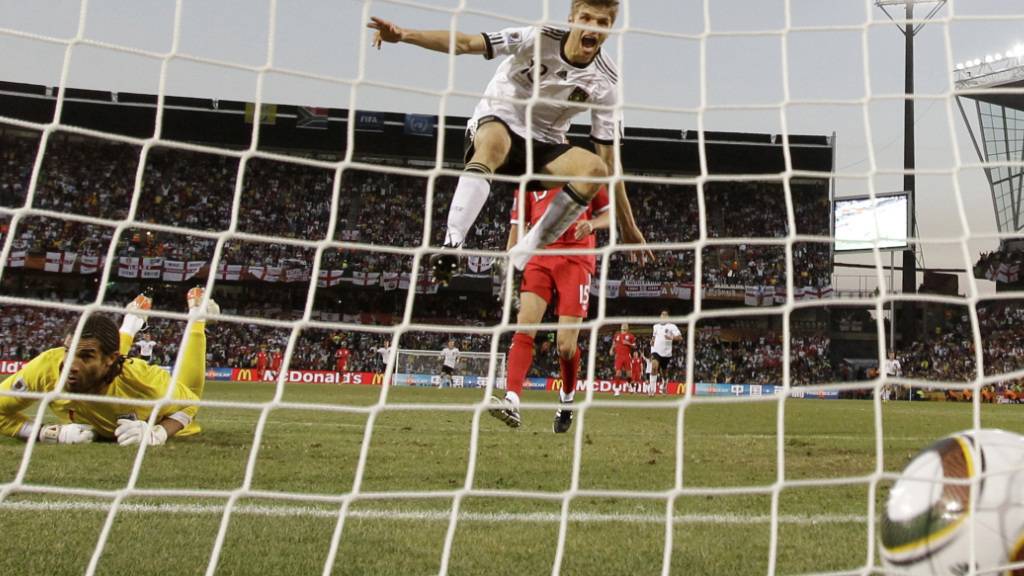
{"x": 449, "y": 359}
{"x": 622, "y": 348}
{"x": 98, "y": 367}
{"x": 572, "y": 74}
{"x": 663, "y": 335}
{"x": 568, "y": 277}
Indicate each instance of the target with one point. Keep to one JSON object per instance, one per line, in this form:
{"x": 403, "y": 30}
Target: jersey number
{"x": 585, "y": 293}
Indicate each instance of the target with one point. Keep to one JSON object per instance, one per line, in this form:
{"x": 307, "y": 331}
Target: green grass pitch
{"x": 730, "y": 447}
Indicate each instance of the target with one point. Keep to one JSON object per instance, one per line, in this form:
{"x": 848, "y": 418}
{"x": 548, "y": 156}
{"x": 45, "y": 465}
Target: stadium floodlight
{"x": 909, "y": 29}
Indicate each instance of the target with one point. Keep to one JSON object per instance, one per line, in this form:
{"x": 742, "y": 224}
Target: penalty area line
{"x": 429, "y": 515}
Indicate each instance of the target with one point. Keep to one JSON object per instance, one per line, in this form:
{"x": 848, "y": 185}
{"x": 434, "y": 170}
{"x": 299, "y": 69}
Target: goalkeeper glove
{"x": 66, "y": 434}
{"x": 131, "y": 432}
{"x": 135, "y": 315}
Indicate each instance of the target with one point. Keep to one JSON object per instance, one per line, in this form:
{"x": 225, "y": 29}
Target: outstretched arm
{"x": 437, "y": 40}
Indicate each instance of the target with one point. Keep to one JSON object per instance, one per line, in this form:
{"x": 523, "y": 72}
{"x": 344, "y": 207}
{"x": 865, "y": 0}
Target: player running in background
{"x": 893, "y": 369}
{"x": 545, "y": 277}
{"x": 275, "y": 360}
{"x": 261, "y": 362}
{"x": 99, "y": 367}
{"x": 449, "y": 360}
{"x": 663, "y": 335}
{"x": 146, "y": 345}
{"x": 622, "y": 349}
{"x": 341, "y": 356}
{"x": 636, "y": 370}
{"x": 382, "y": 353}
{"x": 572, "y": 75}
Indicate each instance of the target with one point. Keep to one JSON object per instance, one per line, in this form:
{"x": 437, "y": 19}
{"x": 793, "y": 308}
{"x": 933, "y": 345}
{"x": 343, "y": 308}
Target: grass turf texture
{"x": 733, "y": 446}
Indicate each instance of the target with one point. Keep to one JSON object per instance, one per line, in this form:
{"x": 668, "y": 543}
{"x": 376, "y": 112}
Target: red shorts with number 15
{"x": 565, "y": 276}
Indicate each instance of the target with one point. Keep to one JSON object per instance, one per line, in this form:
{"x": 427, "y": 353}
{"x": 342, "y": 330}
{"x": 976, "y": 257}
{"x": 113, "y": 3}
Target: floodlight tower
{"x": 909, "y": 29}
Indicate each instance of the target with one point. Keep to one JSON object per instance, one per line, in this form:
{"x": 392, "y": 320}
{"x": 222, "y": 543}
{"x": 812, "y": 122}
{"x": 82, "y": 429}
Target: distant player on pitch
{"x": 636, "y": 370}
{"x": 146, "y": 344}
{"x": 572, "y": 74}
{"x": 547, "y": 278}
{"x": 99, "y": 367}
{"x": 341, "y": 356}
{"x": 622, "y": 349}
{"x": 449, "y": 360}
{"x": 663, "y": 336}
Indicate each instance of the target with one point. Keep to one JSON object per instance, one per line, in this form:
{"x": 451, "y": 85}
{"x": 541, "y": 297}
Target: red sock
{"x": 570, "y": 370}
{"x": 520, "y": 357}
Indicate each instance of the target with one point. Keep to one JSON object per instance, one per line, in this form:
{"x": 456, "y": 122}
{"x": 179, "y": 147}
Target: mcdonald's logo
{"x": 244, "y": 375}
{"x": 378, "y": 379}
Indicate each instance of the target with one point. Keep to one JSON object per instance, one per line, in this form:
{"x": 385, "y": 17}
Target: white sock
{"x": 565, "y": 208}
{"x": 513, "y": 398}
{"x": 470, "y": 196}
{"x": 654, "y": 384}
{"x": 566, "y": 397}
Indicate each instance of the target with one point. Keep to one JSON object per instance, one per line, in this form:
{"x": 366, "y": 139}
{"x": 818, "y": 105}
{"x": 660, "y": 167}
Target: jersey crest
{"x": 579, "y": 95}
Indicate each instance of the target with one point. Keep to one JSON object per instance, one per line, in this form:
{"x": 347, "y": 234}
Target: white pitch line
{"x": 430, "y": 515}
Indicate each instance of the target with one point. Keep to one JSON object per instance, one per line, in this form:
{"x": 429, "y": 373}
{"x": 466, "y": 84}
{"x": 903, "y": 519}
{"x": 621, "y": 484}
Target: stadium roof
{"x": 996, "y": 84}
{"x": 409, "y": 137}
{"x": 998, "y": 79}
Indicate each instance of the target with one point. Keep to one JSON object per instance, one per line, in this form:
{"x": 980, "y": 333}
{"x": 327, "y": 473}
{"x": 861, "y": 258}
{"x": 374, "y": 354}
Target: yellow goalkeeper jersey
{"x": 138, "y": 380}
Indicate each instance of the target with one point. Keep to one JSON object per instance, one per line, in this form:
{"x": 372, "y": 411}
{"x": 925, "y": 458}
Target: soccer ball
{"x": 926, "y": 523}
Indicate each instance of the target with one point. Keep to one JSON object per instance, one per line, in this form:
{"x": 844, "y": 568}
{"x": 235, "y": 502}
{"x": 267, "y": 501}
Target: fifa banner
{"x": 369, "y": 121}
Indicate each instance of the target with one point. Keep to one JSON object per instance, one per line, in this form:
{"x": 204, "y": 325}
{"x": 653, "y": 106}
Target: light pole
{"x": 909, "y": 29}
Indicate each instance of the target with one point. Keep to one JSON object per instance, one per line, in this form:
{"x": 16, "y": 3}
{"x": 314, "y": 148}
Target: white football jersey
{"x": 569, "y": 89}
{"x": 451, "y": 356}
{"x": 146, "y": 347}
{"x": 893, "y": 368}
{"x": 383, "y": 352}
{"x": 663, "y": 334}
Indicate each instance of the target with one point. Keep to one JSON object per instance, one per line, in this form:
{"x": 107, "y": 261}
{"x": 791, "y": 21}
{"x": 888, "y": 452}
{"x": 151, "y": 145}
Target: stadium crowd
{"x": 195, "y": 190}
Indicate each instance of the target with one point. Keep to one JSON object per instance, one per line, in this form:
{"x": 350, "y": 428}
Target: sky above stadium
{"x": 755, "y": 56}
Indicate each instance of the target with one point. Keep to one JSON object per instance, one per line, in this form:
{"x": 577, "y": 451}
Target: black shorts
{"x": 663, "y": 361}
{"x": 515, "y": 165}
{"x": 447, "y": 370}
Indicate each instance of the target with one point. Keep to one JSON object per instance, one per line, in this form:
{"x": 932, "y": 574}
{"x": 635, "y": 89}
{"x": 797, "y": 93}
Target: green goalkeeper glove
{"x": 131, "y": 432}
{"x": 66, "y": 434}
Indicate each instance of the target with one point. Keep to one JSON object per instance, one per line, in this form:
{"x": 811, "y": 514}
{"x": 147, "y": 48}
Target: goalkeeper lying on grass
{"x": 100, "y": 367}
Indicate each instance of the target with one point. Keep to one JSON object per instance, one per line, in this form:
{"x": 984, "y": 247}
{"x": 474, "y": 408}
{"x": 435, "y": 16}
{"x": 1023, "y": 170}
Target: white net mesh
{"x": 739, "y": 224}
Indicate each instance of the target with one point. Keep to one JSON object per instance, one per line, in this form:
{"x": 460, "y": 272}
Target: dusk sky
{"x": 827, "y": 46}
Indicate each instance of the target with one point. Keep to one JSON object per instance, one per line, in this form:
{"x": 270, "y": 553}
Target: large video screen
{"x": 859, "y": 221}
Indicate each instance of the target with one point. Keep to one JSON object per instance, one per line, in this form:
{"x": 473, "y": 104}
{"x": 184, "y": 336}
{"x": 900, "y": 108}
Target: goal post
{"x": 423, "y": 368}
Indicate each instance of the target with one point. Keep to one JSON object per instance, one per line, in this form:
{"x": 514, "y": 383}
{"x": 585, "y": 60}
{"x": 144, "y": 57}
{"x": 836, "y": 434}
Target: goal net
{"x": 267, "y": 153}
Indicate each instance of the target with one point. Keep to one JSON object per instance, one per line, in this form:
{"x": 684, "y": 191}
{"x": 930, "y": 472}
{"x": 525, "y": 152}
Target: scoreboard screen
{"x": 859, "y": 221}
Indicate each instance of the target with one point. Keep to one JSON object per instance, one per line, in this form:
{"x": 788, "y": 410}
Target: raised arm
{"x": 437, "y": 40}
{"x": 623, "y": 210}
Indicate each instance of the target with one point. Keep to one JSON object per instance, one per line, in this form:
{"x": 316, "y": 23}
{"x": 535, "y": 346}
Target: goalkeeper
{"x": 99, "y": 367}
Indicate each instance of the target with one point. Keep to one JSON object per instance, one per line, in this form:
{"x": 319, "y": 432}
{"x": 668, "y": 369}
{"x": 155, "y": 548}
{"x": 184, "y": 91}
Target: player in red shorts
{"x": 622, "y": 347}
{"x": 261, "y": 362}
{"x": 544, "y": 278}
{"x": 341, "y": 358}
{"x": 636, "y": 370}
{"x": 275, "y": 360}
